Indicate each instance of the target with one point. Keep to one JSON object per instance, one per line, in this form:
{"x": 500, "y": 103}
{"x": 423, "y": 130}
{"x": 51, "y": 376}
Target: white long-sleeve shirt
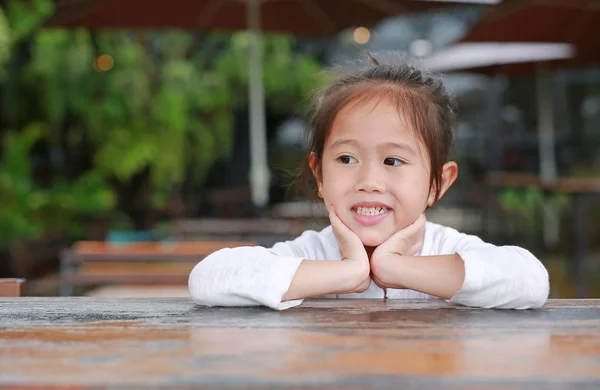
{"x": 506, "y": 277}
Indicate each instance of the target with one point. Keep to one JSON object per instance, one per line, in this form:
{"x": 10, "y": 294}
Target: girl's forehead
{"x": 372, "y": 118}
{"x": 375, "y": 123}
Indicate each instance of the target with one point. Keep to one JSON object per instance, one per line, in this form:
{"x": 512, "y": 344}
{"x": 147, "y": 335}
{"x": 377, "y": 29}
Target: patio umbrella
{"x": 300, "y": 17}
{"x": 491, "y": 57}
{"x": 567, "y": 21}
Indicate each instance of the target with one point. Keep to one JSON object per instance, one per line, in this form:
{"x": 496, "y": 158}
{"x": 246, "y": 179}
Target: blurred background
{"x": 138, "y": 136}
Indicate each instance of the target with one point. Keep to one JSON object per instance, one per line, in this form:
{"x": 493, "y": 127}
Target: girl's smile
{"x": 370, "y": 213}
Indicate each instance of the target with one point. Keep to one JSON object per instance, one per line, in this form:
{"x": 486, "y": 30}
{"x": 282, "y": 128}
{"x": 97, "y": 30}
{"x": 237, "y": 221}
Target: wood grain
{"x": 342, "y": 344}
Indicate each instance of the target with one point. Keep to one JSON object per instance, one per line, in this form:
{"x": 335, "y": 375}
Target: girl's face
{"x": 375, "y": 172}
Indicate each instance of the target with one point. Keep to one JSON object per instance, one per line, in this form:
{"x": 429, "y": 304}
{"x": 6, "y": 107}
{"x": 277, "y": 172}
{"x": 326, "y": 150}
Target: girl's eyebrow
{"x": 342, "y": 142}
{"x": 395, "y": 145}
{"x": 385, "y": 145}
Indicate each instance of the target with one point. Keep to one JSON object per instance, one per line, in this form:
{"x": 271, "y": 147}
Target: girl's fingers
{"x": 340, "y": 230}
{"x": 417, "y": 225}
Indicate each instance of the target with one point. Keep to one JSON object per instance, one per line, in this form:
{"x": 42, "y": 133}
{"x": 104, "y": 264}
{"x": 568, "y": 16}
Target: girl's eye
{"x": 347, "y": 159}
{"x": 392, "y": 161}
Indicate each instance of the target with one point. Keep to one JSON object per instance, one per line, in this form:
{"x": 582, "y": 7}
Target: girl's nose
{"x": 370, "y": 178}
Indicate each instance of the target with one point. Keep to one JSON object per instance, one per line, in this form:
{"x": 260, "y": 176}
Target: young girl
{"x": 380, "y": 138}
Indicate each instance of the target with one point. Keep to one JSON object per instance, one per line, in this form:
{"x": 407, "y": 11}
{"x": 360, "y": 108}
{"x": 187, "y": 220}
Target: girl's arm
{"x": 244, "y": 276}
{"x": 315, "y": 278}
{"x": 280, "y": 277}
{"x": 504, "y": 277}
{"x": 468, "y": 271}
{"x": 441, "y": 276}
{"x": 254, "y": 276}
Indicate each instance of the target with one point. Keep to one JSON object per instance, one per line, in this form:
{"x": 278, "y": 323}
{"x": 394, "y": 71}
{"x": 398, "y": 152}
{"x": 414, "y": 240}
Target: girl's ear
{"x": 312, "y": 162}
{"x": 449, "y": 175}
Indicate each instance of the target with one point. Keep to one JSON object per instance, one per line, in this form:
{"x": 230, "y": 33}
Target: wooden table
{"x": 342, "y": 344}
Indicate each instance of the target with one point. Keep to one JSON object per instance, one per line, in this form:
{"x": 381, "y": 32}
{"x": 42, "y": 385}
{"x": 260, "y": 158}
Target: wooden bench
{"x": 264, "y": 232}
{"x": 139, "y": 263}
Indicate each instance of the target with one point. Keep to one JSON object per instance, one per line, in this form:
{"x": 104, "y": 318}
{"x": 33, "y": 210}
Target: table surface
{"x": 342, "y": 344}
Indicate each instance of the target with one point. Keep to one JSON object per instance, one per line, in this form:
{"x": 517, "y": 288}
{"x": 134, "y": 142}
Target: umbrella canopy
{"x": 566, "y": 21}
{"x": 300, "y": 17}
{"x": 483, "y": 56}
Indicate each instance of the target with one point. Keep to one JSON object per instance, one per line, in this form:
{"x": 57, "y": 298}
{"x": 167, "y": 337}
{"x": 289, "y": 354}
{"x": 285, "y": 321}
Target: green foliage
{"x": 28, "y": 210}
{"x": 165, "y": 106}
{"x": 288, "y": 77}
{"x": 162, "y": 115}
{"x": 18, "y": 20}
{"x": 5, "y": 40}
{"x": 20, "y": 199}
{"x": 26, "y": 16}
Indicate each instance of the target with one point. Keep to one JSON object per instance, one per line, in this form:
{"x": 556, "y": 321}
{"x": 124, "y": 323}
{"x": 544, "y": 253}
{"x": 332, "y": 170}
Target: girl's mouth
{"x": 369, "y": 216}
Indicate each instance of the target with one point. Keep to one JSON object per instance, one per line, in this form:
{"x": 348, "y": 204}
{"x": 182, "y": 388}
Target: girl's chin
{"x": 371, "y": 241}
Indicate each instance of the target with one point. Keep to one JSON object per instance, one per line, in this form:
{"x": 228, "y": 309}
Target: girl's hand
{"x": 353, "y": 253}
{"x": 406, "y": 242}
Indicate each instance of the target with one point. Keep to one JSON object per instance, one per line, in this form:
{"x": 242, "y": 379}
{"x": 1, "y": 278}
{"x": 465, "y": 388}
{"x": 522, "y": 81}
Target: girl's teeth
{"x": 371, "y": 210}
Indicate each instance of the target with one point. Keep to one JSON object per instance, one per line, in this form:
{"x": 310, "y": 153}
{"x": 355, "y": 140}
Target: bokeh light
{"x": 362, "y": 35}
{"x": 421, "y": 47}
{"x": 103, "y": 63}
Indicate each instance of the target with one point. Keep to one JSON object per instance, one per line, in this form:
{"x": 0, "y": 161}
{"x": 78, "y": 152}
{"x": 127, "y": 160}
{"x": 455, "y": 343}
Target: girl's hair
{"x": 425, "y": 105}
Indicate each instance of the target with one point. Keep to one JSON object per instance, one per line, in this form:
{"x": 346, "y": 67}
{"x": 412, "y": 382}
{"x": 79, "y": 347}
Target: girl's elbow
{"x": 539, "y": 294}
{"x": 202, "y": 281}
{"x": 195, "y": 282}
{"x": 535, "y": 290}
{"x": 535, "y": 283}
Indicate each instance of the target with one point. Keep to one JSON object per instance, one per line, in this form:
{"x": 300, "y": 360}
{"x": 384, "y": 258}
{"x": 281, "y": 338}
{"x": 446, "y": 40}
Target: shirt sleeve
{"x": 255, "y": 276}
{"x": 503, "y": 277}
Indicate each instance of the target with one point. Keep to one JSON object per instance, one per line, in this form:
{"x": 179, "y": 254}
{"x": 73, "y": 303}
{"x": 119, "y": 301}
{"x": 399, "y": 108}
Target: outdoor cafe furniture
{"x": 139, "y": 263}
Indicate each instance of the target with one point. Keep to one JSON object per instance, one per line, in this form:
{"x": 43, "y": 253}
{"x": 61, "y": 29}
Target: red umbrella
{"x": 552, "y": 21}
{"x": 301, "y": 17}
